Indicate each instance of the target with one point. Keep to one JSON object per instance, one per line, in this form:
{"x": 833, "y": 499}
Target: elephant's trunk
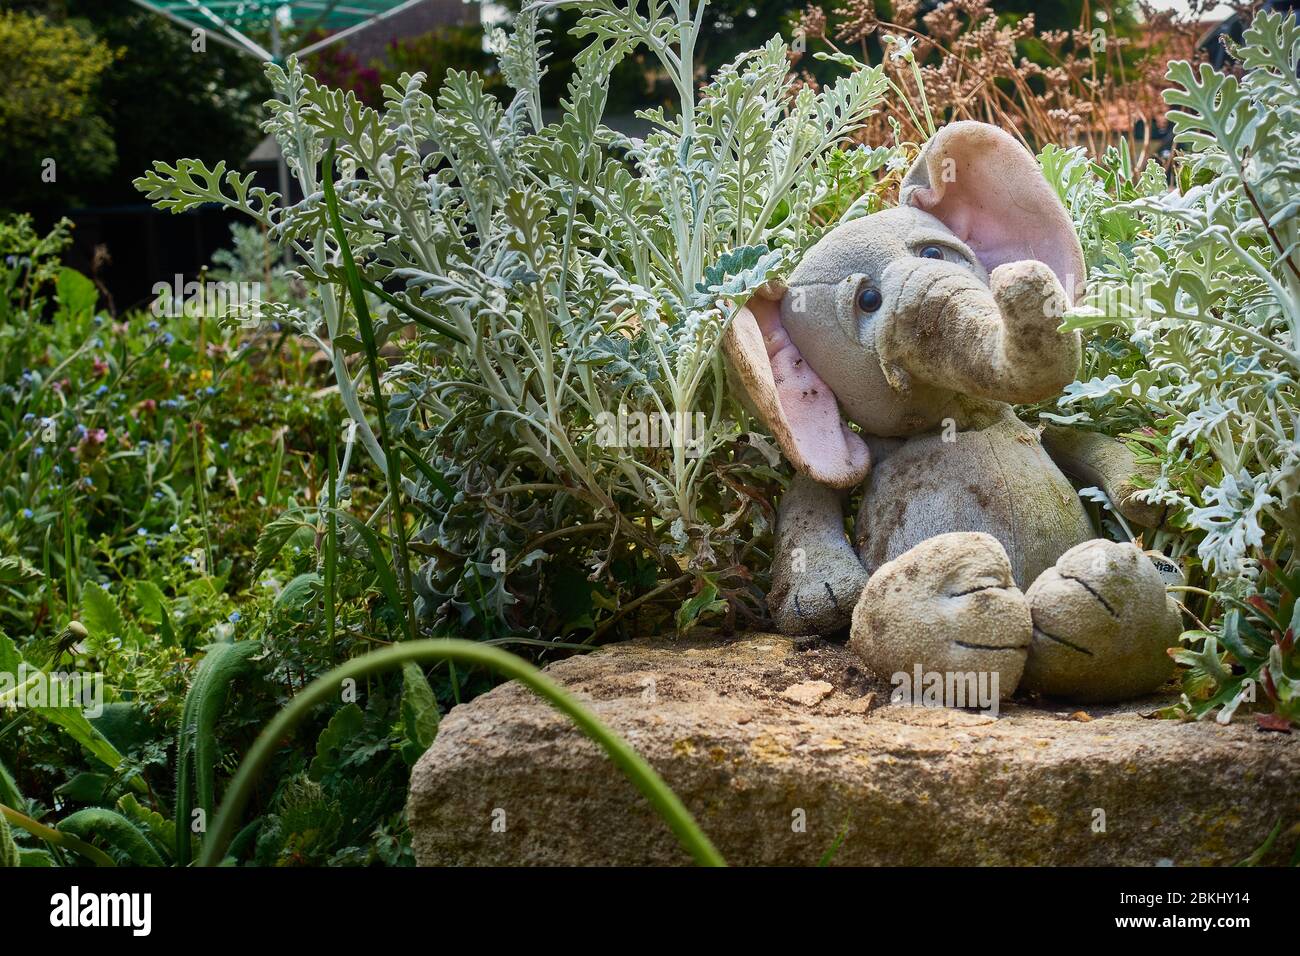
{"x": 948, "y": 330}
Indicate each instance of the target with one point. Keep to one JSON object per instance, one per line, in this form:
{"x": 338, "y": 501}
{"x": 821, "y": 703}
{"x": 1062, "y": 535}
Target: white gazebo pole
{"x": 282, "y": 167}
{"x": 277, "y": 53}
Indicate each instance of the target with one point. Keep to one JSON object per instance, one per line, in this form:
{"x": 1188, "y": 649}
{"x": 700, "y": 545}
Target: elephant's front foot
{"x": 949, "y": 605}
{"x": 1101, "y": 625}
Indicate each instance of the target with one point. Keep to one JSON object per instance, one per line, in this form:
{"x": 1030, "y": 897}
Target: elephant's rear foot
{"x": 1101, "y": 625}
{"x": 950, "y": 605}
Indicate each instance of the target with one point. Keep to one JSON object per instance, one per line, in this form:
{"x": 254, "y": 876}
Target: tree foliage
{"x": 152, "y": 94}
{"x": 50, "y": 74}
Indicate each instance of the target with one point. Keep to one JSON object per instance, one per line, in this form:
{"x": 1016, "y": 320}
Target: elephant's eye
{"x": 932, "y": 252}
{"x": 869, "y": 299}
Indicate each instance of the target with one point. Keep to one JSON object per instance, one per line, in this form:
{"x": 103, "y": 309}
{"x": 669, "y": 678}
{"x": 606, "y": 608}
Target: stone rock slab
{"x": 778, "y": 770}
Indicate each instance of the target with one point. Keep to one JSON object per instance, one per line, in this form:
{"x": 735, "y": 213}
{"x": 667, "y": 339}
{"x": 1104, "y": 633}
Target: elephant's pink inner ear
{"x": 793, "y": 401}
{"x": 987, "y": 188}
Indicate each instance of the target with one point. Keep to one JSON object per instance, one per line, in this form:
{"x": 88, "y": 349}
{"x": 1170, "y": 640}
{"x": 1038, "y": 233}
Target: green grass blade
{"x": 424, "y": 319}
{"x": 392, "y": 458}
{"x": 195, "y": 741}
{"x": 326, "y": 687}
{"x": 435, "y": 478}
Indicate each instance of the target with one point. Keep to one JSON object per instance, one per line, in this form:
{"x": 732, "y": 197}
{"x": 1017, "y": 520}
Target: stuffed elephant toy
{"x": 972, "y": 552}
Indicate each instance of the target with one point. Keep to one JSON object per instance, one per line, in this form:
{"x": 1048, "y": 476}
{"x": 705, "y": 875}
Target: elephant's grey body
{"x": 998, "y": 480}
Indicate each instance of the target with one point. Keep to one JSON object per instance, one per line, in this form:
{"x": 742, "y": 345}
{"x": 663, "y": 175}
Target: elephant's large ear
{"x": 987, "y": 188}
{"x": 790, "y": 398}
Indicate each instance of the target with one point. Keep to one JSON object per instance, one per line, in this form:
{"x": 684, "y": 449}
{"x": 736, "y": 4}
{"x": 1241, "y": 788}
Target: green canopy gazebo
{"x": 230, "y": 21}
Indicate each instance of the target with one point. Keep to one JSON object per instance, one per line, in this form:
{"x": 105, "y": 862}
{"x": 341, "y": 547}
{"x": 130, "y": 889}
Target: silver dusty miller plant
{"x": 546, "y": 277}
{"x": 1194, "y": 311}
{"x": 1204, "y": 282}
